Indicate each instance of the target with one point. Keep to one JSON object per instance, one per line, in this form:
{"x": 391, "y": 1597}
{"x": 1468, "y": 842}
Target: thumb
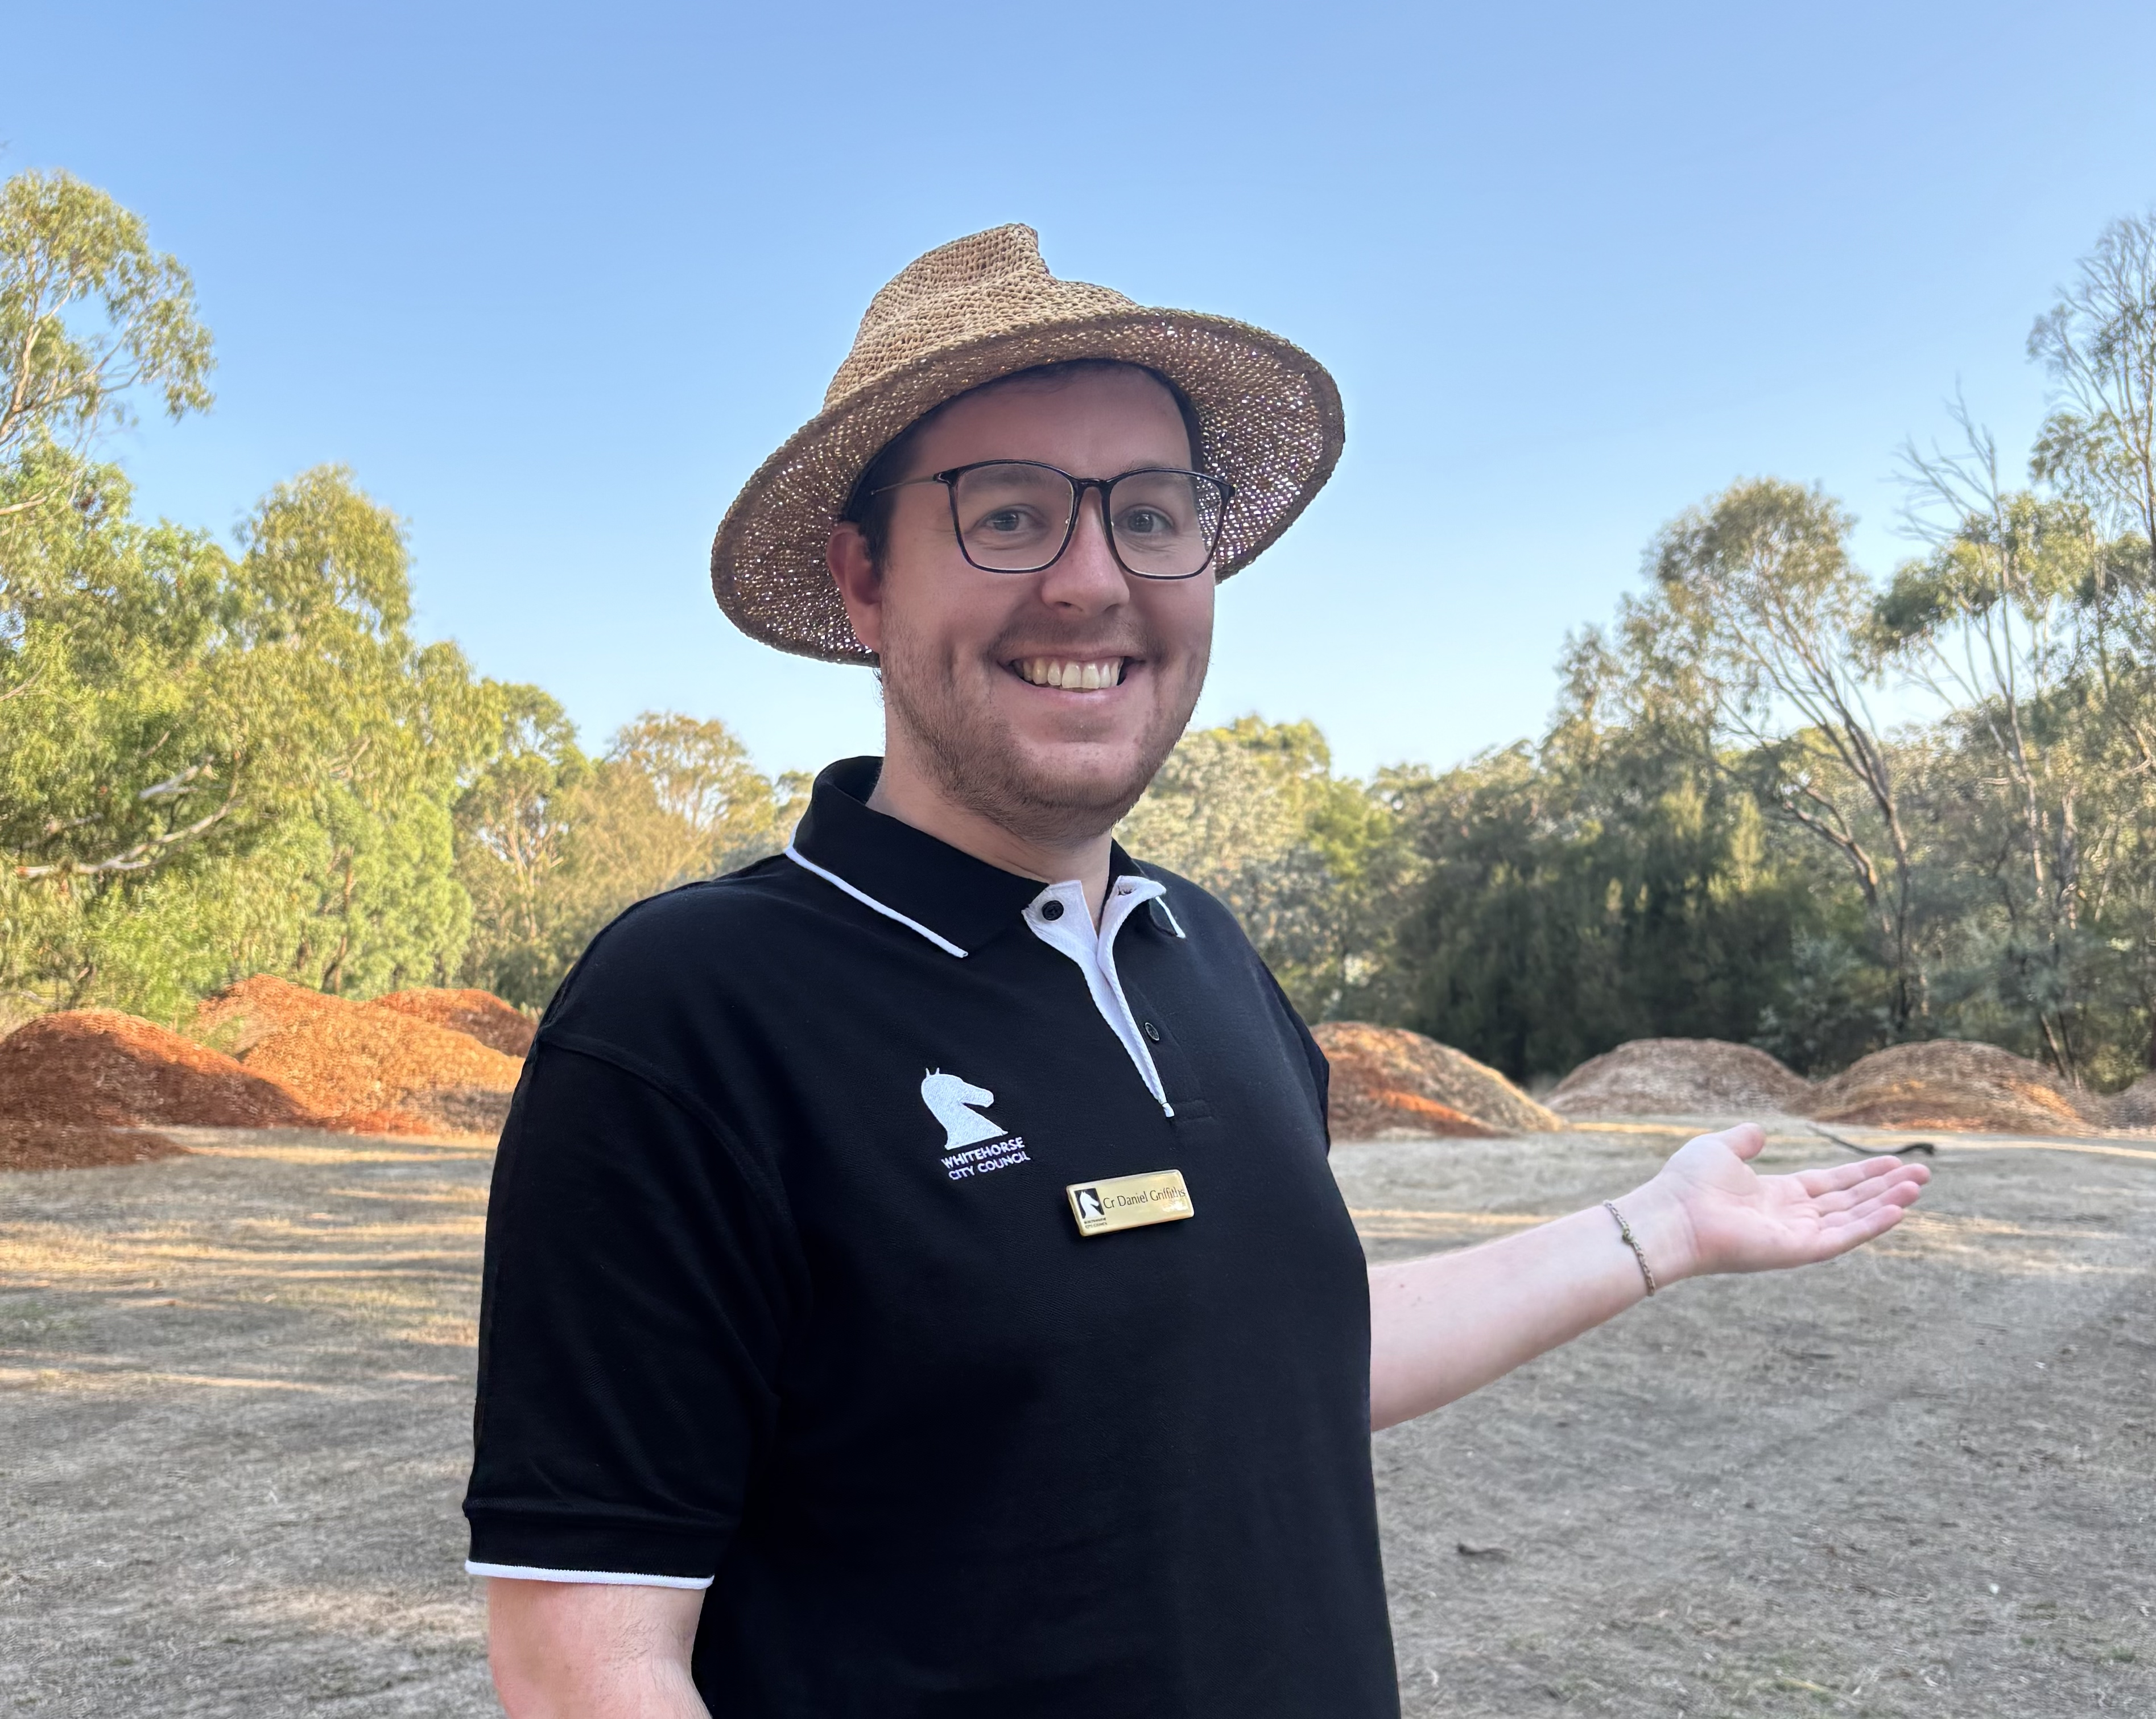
{"x": 1746, "y": 1139}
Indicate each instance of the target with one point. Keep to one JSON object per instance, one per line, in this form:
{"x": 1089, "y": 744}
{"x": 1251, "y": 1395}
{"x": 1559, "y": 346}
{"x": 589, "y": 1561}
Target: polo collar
{"x": 956, "y": 901}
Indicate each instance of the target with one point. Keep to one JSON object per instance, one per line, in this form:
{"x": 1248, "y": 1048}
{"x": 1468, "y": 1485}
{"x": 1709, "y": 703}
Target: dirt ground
{"x": 234, "y": 1391}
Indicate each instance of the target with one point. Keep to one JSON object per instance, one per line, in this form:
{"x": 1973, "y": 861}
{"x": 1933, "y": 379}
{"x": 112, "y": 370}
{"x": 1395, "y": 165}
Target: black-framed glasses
{"x": 1019, "y": 516}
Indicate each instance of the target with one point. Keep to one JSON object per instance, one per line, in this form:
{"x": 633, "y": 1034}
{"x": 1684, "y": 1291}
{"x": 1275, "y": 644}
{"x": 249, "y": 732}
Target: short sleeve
{"x": 1313, "y": 1053}
{"x": 639, "y": 1280}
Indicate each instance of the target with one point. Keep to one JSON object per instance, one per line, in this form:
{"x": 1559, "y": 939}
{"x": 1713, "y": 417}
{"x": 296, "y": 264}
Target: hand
{"x": 1709, "y": 1211}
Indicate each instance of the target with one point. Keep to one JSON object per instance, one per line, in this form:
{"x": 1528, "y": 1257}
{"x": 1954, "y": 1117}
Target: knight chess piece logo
{"x": 1089, "y": 1205}
{"x": 951, "y": 1102}
{"x": 973, "y": 1145}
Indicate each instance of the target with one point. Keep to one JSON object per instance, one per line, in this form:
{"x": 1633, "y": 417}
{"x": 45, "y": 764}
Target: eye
{"x": 1145, "y": 521}
{"x": 1013, "y": 520}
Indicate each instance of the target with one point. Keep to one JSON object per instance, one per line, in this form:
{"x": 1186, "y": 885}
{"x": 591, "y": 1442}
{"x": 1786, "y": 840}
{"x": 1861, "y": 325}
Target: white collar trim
{"x": 869, "y": 901}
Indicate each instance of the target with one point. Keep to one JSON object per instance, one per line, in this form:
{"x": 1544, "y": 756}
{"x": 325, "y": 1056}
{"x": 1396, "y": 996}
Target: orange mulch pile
{"x": 53, "y": 1146}
{"x": 77, "y": 1087}
{"x": 1952, "y": 1084}
{"x": 480, "y": 1014}
{"x": 239, "y": 1017}
{"x": 100, "y": 1066}
{"x": 1681, "y": 1077}
{"x": 376, "y": 1071}
{"x": 1389, "y": 1083}
{"x": 72, "y": 1084}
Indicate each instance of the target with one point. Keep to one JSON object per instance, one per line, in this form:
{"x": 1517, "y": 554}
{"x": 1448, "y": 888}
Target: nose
{"x": 1087, "y": 579}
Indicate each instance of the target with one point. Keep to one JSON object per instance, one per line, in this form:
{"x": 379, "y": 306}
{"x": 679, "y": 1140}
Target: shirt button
{"x": 1051, "y": 909}
{"x": 1152, "y": 1032}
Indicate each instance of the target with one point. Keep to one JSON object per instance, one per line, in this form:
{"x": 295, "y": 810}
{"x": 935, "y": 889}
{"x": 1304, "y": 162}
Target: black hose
{"x": 1868, "y": 1152}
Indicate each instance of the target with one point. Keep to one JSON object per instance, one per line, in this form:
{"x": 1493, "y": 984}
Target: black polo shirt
{"x": 786, "y": 1296}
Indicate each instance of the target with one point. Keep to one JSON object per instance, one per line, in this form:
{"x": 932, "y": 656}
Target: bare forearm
{"x": 1444, "y": 1326}
{"x": 573, "y": 1650}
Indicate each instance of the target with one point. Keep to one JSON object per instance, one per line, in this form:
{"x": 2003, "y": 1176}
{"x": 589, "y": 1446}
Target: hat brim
{"x": 1269, "y": 412}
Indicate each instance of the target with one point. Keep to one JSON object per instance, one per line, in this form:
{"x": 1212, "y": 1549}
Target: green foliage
{"x": 1595, "y": 889}
{"x": 218, "y": 764}
{"x": 555, "y": 844}
{"x": 1316, "y": 867}
{"x": 65, "y": 249}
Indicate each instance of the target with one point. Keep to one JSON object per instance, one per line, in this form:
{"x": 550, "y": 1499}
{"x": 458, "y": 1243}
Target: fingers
{"x": 1839, "y": 1240}
{"x": 1899, "y": 1195}
{"x": 1842, "y": 1230}
{"x": 1834, "y": 1190}
{"x": 1829, "y": 1178}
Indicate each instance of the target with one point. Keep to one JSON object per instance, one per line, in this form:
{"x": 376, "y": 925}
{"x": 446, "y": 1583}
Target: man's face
{"x": 973, "y": 660}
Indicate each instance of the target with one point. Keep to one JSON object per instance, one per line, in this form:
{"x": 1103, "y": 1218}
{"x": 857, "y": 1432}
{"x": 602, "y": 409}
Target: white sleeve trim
{"x": 605, "y": 1578}
{"x": 869, "y": 901}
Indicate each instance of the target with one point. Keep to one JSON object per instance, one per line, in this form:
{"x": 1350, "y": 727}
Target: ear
{"x": 860, "y": 583}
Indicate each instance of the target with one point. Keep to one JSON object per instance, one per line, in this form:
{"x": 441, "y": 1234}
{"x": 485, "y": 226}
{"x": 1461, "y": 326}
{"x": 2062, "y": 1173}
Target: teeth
{"x": 1070, "y": 676}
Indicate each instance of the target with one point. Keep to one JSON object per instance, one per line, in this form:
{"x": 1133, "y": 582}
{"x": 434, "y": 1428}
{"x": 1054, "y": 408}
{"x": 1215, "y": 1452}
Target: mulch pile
{"x": 1949, "y": 1085}
{"x": 480, "y": 1014}
{"x": 1943, "y": 1085}
{"x": 2135, "y": 1107}
{"x": 54, "y": 1145}
{"x": 73, "y": 1084}
{"x": 376, "y": 1071}
{"x": 1681, "y": 1077}
{"x": 1389, "y": 1083}
{"x": 77, "y": 1088}
{"x": 239, "y": 1017}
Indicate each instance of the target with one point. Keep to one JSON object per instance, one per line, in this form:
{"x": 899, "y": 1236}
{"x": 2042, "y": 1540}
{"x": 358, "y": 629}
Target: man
{"x": 914, "y": 1283}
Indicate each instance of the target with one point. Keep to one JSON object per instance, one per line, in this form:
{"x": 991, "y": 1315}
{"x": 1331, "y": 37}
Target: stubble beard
{"x": 978, "y": 764}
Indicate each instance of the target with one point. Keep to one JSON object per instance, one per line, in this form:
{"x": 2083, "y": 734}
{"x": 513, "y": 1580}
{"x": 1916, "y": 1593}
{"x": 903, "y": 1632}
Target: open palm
{"x": 1739, "y": 1220}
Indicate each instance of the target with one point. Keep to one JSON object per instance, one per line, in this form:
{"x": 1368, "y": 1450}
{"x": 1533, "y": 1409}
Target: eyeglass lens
{"x": 1016, "y": 517}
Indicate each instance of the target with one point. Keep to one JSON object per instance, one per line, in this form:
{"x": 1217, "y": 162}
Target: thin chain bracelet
{"x": 1632, "y": 1242}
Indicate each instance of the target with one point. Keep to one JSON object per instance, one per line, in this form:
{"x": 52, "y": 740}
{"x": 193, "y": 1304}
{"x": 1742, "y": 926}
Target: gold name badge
{"x": 1127, "y": 1201}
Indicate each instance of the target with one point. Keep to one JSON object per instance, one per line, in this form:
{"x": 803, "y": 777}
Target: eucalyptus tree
{"x": 213, "y": 760}
{"x": 1318, "y": 868}
{"x": 89, "y": 313}
{"x": 553, "y": 844}
{"x": 2032, "y": 615}
{"x": 2099, "y": 344}
{"x": 1760, "y": 610}
{"x": 516, "y": 824}
{"x": 2099, "y": 447}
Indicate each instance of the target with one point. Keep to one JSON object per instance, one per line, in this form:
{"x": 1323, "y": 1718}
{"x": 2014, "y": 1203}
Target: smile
{"x": 1070, "y": 676}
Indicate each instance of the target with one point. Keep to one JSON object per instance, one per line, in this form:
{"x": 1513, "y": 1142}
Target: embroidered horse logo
{"x": 950, "y": 1101}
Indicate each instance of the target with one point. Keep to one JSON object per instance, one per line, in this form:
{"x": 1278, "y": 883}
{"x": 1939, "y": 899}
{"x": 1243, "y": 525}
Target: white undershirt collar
{"x": 1058, "y": 917}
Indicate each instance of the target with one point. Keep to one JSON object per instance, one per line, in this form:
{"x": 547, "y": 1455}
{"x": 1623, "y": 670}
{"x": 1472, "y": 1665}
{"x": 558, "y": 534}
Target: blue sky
{"x": 552, "y": 280}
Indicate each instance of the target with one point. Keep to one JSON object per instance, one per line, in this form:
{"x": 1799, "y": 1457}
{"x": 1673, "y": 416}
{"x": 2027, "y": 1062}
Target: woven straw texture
{"x": 965, "y": 314}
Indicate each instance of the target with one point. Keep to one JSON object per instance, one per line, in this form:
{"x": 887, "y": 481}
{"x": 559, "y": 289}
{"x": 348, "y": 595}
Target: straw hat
{"x": 970, "y": 312}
